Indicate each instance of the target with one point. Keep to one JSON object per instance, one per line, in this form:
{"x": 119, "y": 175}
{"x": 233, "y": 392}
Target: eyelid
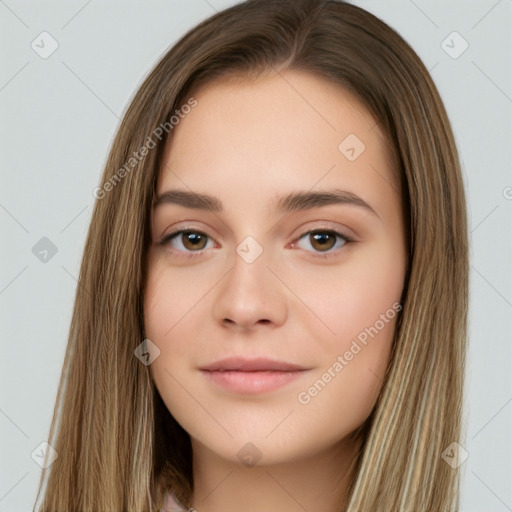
{"x": 189, "y": 225}
{"x": 324, "y": 228}
{"x": 330, "y": 252}
{"x": 167, "y": 237}
{"x": 325, "y": 225}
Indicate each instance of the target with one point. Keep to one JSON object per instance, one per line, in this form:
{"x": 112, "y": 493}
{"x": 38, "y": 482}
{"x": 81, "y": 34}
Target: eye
{"x": 324, "y": 241}
{"x": 186, "y": 241}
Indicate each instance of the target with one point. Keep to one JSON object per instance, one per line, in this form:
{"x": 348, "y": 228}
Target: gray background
{"x": 59, "y": 116}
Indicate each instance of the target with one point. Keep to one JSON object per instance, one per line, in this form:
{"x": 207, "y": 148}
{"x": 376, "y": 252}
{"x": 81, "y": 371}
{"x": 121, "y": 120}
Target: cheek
{"x": 345, "y": 389}
{"x": 174, "y": 319}
{"x": 359, "y": 304}
{"x": 168, "y": 306}
{"x": 172, "y": 298}
{"x": 351, "y": 297}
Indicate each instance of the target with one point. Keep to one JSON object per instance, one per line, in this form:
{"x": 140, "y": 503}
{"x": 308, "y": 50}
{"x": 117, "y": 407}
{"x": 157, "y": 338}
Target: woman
{"x": 271, "y": 311}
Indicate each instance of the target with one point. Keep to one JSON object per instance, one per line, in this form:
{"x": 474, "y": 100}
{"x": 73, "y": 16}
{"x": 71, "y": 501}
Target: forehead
{"x": 279, "y": 129}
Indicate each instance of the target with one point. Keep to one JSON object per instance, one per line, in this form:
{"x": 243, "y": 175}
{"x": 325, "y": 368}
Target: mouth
{"x": 251, "y": 376}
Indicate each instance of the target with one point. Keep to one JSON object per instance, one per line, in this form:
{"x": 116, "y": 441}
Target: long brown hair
{"x": 118, "y": 446}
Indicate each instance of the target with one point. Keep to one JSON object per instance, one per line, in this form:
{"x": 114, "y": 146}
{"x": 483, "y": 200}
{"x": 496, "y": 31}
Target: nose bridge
{"x": 250, "y": 264}
{"x": 250, "y": 293}
{"x": 248, "y": 275}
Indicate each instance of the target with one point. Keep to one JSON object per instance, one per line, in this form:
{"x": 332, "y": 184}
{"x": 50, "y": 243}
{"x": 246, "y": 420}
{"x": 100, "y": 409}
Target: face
{"x": 273, "y": 301}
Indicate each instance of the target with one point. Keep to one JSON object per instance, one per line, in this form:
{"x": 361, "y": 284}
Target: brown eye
{"x": 322, "y": 240}
{"x": 193, "y": 240}
{"x": 187, "y": 242}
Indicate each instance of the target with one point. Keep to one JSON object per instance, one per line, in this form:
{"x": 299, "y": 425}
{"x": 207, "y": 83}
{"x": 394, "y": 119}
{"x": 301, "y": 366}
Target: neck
{"x": 318, "y": 482}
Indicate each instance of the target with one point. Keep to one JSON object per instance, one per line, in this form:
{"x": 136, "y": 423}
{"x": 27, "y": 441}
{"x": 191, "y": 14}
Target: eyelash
{"x": 193, "y": 254}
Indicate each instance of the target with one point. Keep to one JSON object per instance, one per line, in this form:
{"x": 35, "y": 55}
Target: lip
{"x": 259, "y": 364}
{"x": 252, "y": 376}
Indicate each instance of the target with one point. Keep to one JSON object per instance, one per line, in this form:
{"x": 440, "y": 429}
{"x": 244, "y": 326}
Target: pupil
{"x": 320, "y": 239}
{"x": 194, "y": 239}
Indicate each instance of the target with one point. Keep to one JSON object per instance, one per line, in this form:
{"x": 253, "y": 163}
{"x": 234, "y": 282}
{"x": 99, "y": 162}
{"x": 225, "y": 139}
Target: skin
{"x": 248, "y": 143}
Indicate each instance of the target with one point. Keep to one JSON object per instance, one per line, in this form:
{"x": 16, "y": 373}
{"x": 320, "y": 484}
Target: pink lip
{"x": 251, "y": 376}
{"x": 259, "y": 364}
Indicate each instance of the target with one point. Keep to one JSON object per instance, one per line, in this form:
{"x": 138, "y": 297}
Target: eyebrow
{"x": 294, "y": 201}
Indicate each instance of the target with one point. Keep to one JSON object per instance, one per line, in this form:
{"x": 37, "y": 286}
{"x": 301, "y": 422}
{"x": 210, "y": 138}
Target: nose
{"x": 250, "y": 296}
